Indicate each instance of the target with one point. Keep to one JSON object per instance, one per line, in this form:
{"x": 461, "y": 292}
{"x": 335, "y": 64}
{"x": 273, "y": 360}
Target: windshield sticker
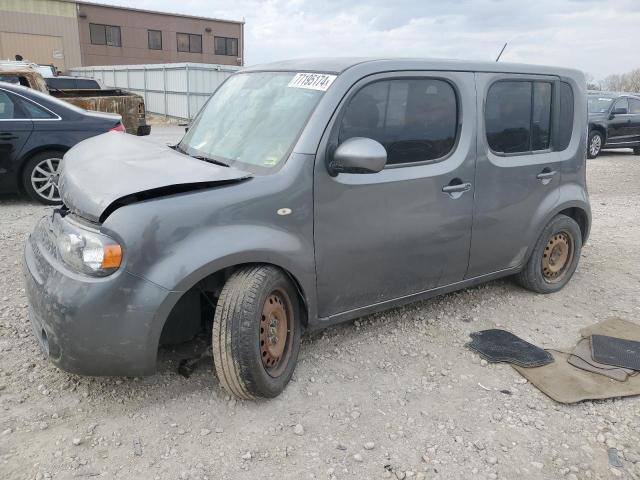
{"x": 312, "y": 81}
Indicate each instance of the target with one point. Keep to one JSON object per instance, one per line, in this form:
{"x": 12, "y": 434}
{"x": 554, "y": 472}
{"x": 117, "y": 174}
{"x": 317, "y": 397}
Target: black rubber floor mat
{"x": 616, "y": 351}
{"x": 501, "y": 346}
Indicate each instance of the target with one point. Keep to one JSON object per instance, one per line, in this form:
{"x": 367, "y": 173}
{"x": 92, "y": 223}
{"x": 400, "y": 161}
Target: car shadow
{"x": 17, "y": 198}
{"x": 616, "y": 153}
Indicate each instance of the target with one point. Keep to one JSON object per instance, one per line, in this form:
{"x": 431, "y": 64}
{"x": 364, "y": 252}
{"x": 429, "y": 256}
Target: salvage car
{"x": 35, "y": 132}
{"x": 614, "y": 122}
{"x": 130, "y": 106}
{"x": 307, "y": 193}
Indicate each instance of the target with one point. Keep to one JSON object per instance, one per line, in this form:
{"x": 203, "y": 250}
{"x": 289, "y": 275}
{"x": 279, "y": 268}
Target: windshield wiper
{"x": 204, "y": 158}
{"x": 210, "y": 160}
{"x": 177, "y": 148}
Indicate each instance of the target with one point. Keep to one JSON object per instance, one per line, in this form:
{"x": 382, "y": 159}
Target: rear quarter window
{"x": 61, "y": 83}
{"x": 34, "y": 111}
{"x": 87, "y": 83}
{"x": 565, "y": 120}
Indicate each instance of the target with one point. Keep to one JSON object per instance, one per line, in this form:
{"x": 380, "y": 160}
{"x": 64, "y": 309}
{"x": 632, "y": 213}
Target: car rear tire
{"x": 40, "y": 177}
{"x": 256, "y": 332}
{"x": 595, "y": 144}
{"x": 636, "y": 150}
{"x": 554, "y": 258}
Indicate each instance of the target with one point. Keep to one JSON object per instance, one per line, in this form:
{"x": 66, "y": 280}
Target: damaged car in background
{"x": 130, "y": 106}
{"x": 307, "y": 193}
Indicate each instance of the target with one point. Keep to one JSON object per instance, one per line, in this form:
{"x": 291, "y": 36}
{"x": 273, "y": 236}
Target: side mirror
{"x": 358, "y": 155}
{"x": 619, "y": 111}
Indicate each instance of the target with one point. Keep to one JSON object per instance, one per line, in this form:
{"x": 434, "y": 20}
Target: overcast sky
{"x": 598, "y": 36}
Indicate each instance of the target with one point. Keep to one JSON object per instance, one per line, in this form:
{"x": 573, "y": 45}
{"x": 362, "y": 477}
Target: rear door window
{"x": 508, "y": 117}
{"x": 634, "y": 106}
{"x": 518, "y": 116}
{"x": 416, "y": 120}
{"x": 621, "y": 105}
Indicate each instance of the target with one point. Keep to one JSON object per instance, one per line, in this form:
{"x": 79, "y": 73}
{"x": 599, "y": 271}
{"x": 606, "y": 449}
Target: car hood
{"x": 105, "y": 172}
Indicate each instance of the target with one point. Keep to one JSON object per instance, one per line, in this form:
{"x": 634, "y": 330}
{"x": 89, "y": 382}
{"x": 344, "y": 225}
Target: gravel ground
{"x": 392, "y": 395}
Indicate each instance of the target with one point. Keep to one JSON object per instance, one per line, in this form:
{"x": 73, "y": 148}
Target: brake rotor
{"x": 274, "y": 329}
{"x": 557, "y": 256}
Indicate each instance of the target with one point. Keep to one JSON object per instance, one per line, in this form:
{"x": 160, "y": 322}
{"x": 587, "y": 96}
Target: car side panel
{"x": 192, "y": 235}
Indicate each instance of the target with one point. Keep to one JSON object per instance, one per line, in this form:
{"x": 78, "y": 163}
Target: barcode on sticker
{"x": 312, "y": 81}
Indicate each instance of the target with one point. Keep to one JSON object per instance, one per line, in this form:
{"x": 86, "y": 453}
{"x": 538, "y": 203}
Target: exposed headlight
{"x": 86, "y": 250}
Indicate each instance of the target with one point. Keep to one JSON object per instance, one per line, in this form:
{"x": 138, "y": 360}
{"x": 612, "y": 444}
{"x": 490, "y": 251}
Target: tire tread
{"x": 234, "y": 320}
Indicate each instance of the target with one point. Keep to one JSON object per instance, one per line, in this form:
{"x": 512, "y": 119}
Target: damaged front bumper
{"x": 92, "y": 326}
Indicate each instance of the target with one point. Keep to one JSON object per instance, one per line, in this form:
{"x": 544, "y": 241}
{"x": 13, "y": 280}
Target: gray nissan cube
{"x": 307, "y": 193}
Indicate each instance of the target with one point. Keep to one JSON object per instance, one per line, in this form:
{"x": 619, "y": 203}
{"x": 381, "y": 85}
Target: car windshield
{"x": 599, "y": 104}
{"x": 253, "y": 120}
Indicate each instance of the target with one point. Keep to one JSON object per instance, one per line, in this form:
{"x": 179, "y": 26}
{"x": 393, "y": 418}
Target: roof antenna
{"x": 500, "y": 54}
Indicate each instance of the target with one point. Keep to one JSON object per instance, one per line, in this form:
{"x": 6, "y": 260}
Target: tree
{"x": 627, "y": 82}
{"x": 592, "y": 84}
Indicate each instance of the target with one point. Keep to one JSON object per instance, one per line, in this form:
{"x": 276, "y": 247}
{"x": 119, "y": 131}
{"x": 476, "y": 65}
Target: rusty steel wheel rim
{"x": 276, "y": 332}
{"x": 557, "y": 256}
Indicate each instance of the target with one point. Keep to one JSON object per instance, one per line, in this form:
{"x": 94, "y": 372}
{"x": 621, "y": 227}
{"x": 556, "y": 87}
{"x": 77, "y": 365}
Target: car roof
{"x": 613, "y": 94}
{"x": 15, "y": 70}
{"x": 71, "y": 77}
{"x": 338, "y": 65}
{"x": 39, "y": 97}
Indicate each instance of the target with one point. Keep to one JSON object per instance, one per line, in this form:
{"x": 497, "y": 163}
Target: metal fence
{"x": 174, "y": 89}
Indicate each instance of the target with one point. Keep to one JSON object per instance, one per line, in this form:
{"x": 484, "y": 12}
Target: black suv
{"x": 614, "y": 122}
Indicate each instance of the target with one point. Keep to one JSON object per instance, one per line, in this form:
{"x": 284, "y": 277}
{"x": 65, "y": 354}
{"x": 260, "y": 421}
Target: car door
{"x": 517, "y": 172}
{"x": 634, "y": 120}
{"x": 617, "y": 128}
{"x": 15, "y": 130}
{"x": 395, "y": 233}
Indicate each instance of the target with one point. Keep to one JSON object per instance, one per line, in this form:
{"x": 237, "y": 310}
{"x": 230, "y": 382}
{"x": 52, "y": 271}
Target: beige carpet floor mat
{"x": 565, "y": 383}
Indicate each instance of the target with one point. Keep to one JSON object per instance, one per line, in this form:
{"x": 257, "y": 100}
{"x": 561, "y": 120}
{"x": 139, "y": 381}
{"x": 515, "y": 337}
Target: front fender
{"x": 178, "y": 240}
{"x": 197, "y": 257}
{"x": 599, "y": 125}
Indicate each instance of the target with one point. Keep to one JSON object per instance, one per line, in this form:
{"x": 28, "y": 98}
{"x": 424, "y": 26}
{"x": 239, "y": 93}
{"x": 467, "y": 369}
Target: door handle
{"x": 456, "y": 188}
{"x": 461, "y": 187}
{"x": 546, "y": 174}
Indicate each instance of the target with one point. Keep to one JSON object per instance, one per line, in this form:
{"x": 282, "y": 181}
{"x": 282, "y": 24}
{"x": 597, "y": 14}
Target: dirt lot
{"x": 393, "y": 395}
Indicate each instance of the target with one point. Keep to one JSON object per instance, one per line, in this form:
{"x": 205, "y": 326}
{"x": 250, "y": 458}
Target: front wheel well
{"x": 202, "y": 298}
{"x": 214, "y": 282}
{"x": 600, "y": 130}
